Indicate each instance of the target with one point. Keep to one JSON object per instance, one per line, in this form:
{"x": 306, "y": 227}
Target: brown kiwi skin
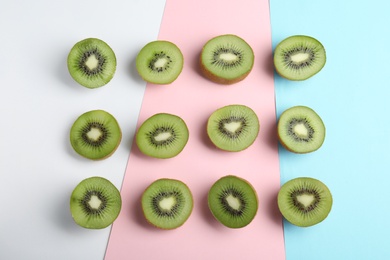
{"x": 217, "y": 79}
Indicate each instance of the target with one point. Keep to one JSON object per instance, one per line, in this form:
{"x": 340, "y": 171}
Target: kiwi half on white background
{"x": 167, "y": 203}
{"x": 160, "y": 62}
{"x": 305, "y": 201}
{"x": 299, "y": 57}
{"x": 95, "y": 135}
{"x": 233, "y": 201}
{"x": 233, "y": 128}
{"x": 301, "y": 130}
{"x": 92, "y": 63}
{"x": 226, "y": 59}
{"x": 95, "y": 203}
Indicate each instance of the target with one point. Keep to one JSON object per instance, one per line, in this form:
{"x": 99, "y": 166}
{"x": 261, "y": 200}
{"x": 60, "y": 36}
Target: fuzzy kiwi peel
{"x": 301, "y": 130}
{"x": 299, "y": 57}
{"x": 95, "y": 203}
{"x": 95, "y": 135}
{"x": 92, "y": 63}
{"x": 233, "y": 201}
{"x": 167, "y": 203}
{"x": 226, "y": 59}
{"x": 233, "y": 128}
{"x": 304, "y": 201}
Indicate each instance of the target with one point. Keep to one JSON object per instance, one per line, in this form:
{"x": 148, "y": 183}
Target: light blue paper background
{"x": 351, "y": 94}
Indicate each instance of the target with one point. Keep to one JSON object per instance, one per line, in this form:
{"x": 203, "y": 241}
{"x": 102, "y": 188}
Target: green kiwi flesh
{"x": 304, "y": 201}
{"x": 162, "y": 136}
{"x": 95, "y": 203}
{"x": 92, "y": 63}
{"x": 299, "y": 57}
{"x": 226, "y": 59}
{"x": 95, "y": 135}
{"x": 233, "y": 128}
{"x": 167, "y": 203}
{"x": 233, "y": 201}
{"x": 301, "y": 130}
{"x": 159, "y": 62}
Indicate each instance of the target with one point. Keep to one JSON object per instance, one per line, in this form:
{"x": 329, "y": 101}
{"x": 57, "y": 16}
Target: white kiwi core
{"x": 228, "y": 57}
{"x": 94, "y": 134}
{"x": 167, "y": 203}
{"x": 160, "y": 63}
{"x": 233, "y": 202}
{"x": 232, "y": 126}
{"x": 94, "y": 202}
{"x": 301, "y": 130}
{"x": 162, "y": 136}
{"x": 300, "y": 57}
{"x": 92, "y": 62}
{"x": 306, "y": 199}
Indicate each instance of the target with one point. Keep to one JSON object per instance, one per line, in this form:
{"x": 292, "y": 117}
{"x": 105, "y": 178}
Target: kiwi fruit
{"x": 95, "y": 135}
{"x": 226, "y": 59}
{"x": 162, "y": 136}
{"x": 95, "y": 203}
{"x": 301, "y": 130}
{"x": 299, "y": 57}
{"x": 233, "y": 128}
{"x": 167, "y": 203}
{"x": 233, "y": 201}
{"x": 92, "y": 63}
{"x": 159, "y": 62}
{"x": 304, "y": 201}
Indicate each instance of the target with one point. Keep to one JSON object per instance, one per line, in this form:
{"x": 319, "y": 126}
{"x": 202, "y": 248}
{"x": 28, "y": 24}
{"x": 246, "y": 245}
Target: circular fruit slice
{"x": 304, "y": 201}
{"x": 95, "y": 135}
{"x": 233, "y": 128}
{"x": 95, "y": 203}
{"x": 159, "y": 62}
{"x": 92, "y": 63}
{"x": 226, "y": 59}
{"x": 162, "y": 136}
{"x": 301, "y": 130}
{"x": 299, "y": 57}
{"x": 233, "y": 201}
{"x": 167, "y": 203}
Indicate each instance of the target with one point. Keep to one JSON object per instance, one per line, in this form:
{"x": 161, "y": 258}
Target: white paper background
{"x": 39, "y": 101}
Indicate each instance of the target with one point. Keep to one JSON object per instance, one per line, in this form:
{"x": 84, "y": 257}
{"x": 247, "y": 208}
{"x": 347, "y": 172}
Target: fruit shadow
{"x": 271, "y": 139}
{"x": 63, "y": 215}
{"x": 63, "y": 72}
{"x": 272, "y": 209}
{"x": 133, "y": 73}
{"x": 268, "y": 65}
{"x": 138, "y": 215}
{"x": 206, "y": 213}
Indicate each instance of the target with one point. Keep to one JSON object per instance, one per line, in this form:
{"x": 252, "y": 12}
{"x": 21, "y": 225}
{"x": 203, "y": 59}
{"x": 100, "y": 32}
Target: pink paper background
{"x": 189, "y": 24}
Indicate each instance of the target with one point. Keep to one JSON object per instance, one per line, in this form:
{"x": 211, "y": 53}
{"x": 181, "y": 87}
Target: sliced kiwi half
{"x": 160, "y": 62}
{"x": 299, "y": 57}
{"x": 233, "y": 128}
{"x": 301, "y": 130}
{"x": 92, "y": 63}
{"x": 304, "y": 201}
{"x": 95, "y": 135}
{"x": 226, "y": 59}
{"x": 233, "y": 201}
{"x": 95, "y": 203}
{"x": 162, "y": 136}
{"x": 167, "y": 203}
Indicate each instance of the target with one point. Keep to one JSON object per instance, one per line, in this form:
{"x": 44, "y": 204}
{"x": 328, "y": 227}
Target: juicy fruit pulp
{"x": 95, "y": 203}
{"x": 167, "y": 203}
{"x": 233, "y": 201}
{"x": 159, "y": 62}
{"x": 92, "y": 63}
{"x": 233, "y": 128}
{"x": 162, "y": 136}
{"x": 299, "y": 57}
{"x": 226, "y": 59}
{"x": 304, "y": 201}
{"x": 95, "y": 135}
{"x": 301, "y": 130}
